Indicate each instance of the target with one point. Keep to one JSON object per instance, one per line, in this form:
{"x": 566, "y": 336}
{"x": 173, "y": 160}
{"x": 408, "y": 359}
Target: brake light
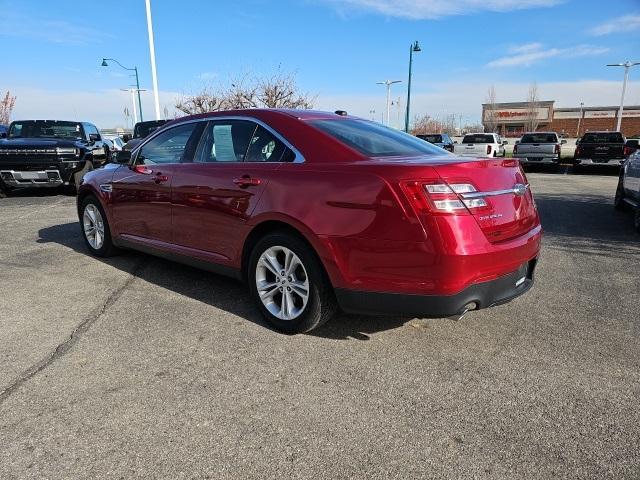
{"x": 488, "y": 149}
{"x": 627, "y": 151}
{"x": 578, "y": 151}
{"x": 515, "y": 149}
{"x": 557, "y": 149}
{"x": 440, "y": 197}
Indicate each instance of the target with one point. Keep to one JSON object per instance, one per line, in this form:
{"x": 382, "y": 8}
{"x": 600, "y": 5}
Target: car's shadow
{"x": 215, "y": 290}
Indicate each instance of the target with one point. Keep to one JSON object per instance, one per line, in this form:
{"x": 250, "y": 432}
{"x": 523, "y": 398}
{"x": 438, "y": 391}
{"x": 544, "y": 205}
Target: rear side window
{"x": 479, "y": 138}
{"x": 539, "y": 138}
{"x": 604, "y": 137}
{"x": 167, "y": 147}
{"x": 225, "y": 141}
{"x": 266, "y": 147}
{"x": 431, "y": 138}
{"x": 375, "y": 140}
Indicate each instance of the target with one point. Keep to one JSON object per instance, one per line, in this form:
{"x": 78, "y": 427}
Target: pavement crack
{"x": 72, "y": 339}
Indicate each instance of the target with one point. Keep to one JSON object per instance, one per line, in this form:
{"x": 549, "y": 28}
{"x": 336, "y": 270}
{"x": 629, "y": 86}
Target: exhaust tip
{"x": 468, "y": 307}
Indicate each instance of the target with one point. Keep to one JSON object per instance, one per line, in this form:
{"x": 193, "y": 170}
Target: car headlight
{"x": 68, "y": 151}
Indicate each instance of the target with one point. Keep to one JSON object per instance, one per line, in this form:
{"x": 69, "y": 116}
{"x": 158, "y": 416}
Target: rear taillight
{"x": 515, "y": 149}
{"x": 578, "y": 151}
{"x": 440, "y": 197}
{"x": 627, "y": 151}
{"x": 488, "y": 149}
{"x": 557, "y": 149}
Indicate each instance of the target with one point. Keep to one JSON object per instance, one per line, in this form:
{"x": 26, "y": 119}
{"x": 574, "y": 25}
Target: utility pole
{"x": 627, "y": 65}
{"x": 388, "y": 83}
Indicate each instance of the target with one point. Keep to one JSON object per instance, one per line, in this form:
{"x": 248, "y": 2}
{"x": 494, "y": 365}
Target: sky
{"x": 337, "y": 49}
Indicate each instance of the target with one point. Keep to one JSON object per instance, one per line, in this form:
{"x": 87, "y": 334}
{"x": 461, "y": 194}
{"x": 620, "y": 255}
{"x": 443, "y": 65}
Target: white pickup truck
{"x": 538, "y": 148}
{"x": 480, "y": 145}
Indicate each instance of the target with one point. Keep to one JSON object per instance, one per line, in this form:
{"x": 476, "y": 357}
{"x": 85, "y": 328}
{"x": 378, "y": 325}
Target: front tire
{"x": 95, "y": 228}
{"x": 289, "y": 284}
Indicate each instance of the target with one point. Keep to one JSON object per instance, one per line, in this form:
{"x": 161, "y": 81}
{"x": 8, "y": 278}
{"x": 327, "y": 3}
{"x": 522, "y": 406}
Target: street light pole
{"x": 414, "y": 47}
{"x": 135, "y": 70}
{"x": 152, "y": 53}
{"x": 388, "y": 83}
{"x": 580, "y": 118}
{"x": 627, "y": 65}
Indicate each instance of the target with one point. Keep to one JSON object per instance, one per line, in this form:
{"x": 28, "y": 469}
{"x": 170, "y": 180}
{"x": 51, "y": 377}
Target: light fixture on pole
{"x": 152, "y": 53}
{"x": 135, "y": 70}
{"x": 133, "y": 100}
{"x": 388, "y": 83}
{"x": 627, "y": 65}
{"x": 414, "y": 47}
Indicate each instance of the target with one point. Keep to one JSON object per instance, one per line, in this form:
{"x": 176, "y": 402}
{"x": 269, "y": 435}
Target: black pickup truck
{"x": 49, "y": 153}
{"x": 600, "y": 148}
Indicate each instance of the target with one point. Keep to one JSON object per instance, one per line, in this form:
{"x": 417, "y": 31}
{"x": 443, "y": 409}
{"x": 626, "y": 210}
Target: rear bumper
{"x": 604, "y": 162}
{"x": 484, "y": 295}
{"x": 539, "y": 160}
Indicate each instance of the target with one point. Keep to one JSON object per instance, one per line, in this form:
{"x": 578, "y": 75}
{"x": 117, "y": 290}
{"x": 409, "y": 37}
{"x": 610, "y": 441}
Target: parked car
{"x": 116, "y": 141}
{"x": 49, "y": 153}
{"x": 441, "y": 140}
{"x": 142, "y": 130}
{"x": 599, "y": 148}
{"x": 539, "y": 148}
{"x": 481, "y": 145}
{"x": 628, "y": 189}
{"x": 315, "y": 210}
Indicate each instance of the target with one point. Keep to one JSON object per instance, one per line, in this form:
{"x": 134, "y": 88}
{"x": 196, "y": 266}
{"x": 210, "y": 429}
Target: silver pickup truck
{"x": 538, "y": 148}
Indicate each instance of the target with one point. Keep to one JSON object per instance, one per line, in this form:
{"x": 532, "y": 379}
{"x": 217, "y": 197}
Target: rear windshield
{"x": 375, "y": 140}
{"x": 605, "y": 137}
{"x": 478, "y": 139}
{"x": 539, "y": 138}
{"x": 431, "y": 138}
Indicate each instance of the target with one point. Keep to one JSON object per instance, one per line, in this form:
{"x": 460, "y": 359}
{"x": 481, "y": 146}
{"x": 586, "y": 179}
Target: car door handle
{"x": 159, "y": 178}
{"x": 247, "y": 181}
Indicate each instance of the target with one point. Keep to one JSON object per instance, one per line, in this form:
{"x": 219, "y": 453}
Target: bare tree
{"x": 533, "y": 104}
{"x": 278, "y": 90}
{"x": 423, "y": 124}
{"x": 6, "y": 108}
{"x": 490, "y": 121}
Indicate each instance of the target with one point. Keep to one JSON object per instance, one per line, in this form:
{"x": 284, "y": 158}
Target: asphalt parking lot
{"x": 138, "y": 367}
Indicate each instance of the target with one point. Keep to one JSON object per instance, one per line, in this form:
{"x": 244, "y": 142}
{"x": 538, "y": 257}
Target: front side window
{"x": 375, "y": 140}
{"x": 167, "y": 147}
{"x": 225, "y": 141}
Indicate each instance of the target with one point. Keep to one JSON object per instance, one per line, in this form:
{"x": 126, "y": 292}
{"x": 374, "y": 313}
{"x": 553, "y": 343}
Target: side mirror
{"x": 94, "y": 137}
{"x": 122, "y": 157}
{"x": 562, "y": 142}
{"x": 455, "y": 141}
{"x": 505, "y": 142}
{"x": 517, "y": 142}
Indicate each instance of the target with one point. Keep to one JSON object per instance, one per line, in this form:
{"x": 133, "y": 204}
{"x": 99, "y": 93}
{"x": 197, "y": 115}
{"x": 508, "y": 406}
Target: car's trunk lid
{"x": 510, "y": 210}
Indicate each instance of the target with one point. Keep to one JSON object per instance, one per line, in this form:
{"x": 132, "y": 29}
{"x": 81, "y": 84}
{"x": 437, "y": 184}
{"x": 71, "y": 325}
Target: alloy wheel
{"x": 93, "y": 226}
{"x": 282, "y": 283}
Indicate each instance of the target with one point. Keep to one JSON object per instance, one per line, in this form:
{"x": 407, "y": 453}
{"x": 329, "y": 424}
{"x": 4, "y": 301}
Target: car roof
{"x": 299, "y": 114}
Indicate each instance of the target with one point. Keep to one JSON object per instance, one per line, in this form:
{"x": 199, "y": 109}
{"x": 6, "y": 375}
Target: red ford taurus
{"x": 317, "y": 211}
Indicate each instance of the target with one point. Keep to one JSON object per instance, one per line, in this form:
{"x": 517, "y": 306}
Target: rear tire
{"x": 289, "y": 284}
{"x": 95, "y": 228}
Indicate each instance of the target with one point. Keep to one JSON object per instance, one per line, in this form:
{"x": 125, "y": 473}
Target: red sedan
{"x": 317, "y": 211}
